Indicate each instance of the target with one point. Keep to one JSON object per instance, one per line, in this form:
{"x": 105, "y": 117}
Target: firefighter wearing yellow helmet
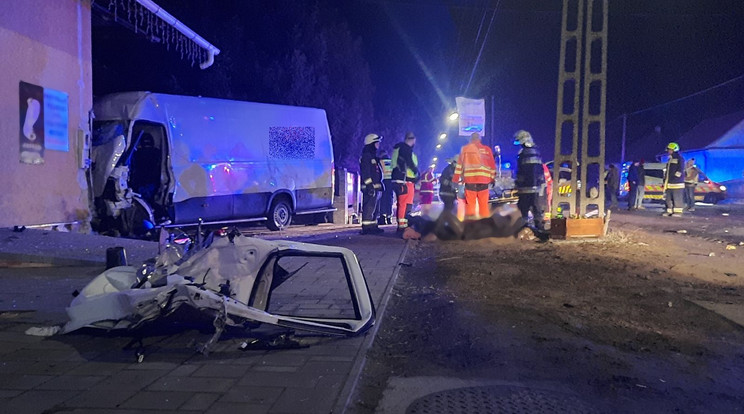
{"x": 371, "y": 175}
{"x": 674, "y": 182}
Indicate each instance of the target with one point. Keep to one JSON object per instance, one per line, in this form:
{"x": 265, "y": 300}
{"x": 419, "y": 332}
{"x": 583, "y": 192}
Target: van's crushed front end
{"x": 237, "y": 280}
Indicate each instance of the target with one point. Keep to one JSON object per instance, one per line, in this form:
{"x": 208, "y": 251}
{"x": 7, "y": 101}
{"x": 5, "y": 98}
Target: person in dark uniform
{"x": 530, "y": 182}
{"x": 371, "y": 175}
{"x": 447, "y": 188}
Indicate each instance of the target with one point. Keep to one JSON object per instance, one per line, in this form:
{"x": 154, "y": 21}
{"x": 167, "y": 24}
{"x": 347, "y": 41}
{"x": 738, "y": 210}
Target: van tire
{"x": 280, "y": 215}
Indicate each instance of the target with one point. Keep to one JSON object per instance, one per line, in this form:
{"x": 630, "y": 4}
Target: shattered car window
{"x": 105, "y": 131}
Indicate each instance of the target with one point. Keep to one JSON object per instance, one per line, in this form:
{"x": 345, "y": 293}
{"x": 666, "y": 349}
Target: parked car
{"x": 707, "y": 191}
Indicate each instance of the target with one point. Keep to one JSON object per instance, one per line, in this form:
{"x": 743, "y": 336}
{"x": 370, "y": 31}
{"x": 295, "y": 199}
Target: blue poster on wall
{"x": 55, "y": 120}
{"x": 44, "y": 120}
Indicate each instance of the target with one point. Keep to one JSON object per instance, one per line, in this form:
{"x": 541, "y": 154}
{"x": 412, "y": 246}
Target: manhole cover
{"x": 498, "y": 399}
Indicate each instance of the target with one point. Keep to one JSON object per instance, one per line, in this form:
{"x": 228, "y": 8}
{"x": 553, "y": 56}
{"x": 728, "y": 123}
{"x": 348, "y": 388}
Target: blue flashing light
{"x": 506, "y": 165}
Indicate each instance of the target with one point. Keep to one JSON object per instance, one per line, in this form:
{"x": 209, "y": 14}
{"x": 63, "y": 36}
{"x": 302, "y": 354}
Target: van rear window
{"x": 292, "y": 142}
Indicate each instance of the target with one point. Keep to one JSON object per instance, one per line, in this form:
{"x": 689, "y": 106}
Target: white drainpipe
{"x": 166, "y": 17}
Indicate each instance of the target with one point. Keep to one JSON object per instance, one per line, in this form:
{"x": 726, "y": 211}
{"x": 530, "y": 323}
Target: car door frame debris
{"x": 228, "y": 277}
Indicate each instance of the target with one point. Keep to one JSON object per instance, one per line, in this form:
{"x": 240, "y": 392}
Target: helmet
{"x": 673, "y": 146}
{"x": 371, "y": 139}
{"x": 523, "y": 137}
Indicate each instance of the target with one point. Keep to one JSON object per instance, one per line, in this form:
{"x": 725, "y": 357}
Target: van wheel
{"x": 280, "y": 215}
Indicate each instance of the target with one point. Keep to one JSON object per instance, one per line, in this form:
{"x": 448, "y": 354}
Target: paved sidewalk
{"x": 91, "y": 371}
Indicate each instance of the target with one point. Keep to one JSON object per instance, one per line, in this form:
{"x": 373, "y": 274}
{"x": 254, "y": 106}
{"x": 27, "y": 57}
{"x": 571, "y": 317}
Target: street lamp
{"x": 435, "y": 159}
{"x": 453, "y": 116}
{"x": 442, "y": 136}
{"x": 439, "y": 146}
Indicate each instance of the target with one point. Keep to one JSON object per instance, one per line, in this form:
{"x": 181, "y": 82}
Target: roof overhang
{"x": 159, "y": 26}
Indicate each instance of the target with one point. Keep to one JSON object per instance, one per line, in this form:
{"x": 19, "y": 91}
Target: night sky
{"x": 423, "y": 53}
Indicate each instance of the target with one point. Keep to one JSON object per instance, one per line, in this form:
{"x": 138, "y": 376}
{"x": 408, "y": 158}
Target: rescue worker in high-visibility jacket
{"x": 405, "y": 175}
{"x": 386, "y": 202}
{"x": 674, "y": 182}
{"x": 371, "y": 175}
{"x": 448, "y": 188}
{"x": 477, "y": 169}
{"x": 428, "y": 179}
{"x": 530, "y": 182}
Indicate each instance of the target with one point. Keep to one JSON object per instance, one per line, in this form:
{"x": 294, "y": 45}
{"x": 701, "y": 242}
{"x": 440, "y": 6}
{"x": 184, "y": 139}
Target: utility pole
{"x": 492, "y": 129}
{"x": 583, "y": 120}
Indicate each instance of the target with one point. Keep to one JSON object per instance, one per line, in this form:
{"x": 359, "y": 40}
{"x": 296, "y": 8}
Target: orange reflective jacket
{"x": 475, "y": 165}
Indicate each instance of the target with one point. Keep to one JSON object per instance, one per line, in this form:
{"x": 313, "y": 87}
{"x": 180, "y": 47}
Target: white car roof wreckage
{"x": 240, "y": 281}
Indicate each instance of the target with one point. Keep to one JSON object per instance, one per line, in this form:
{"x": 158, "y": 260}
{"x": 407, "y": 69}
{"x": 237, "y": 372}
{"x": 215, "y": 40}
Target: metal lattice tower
{"x": 587, "y": 110}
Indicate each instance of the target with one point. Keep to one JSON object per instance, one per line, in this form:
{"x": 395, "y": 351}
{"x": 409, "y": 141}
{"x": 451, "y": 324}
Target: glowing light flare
{"x": 435, "y": 159}
{"x": 453, "y": 116}
{"x": 439, "y": 146}
{"x": 442, "y": 136}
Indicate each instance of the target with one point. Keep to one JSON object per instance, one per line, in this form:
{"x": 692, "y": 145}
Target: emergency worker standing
{"x": 674, "y": 182}
{"x": 405, "y": 174}
{"x": 428, "y": 179}
{"x": 692, "y": 175}
{"x": 641, "y": 190}
{"x": 447, "y": 188}
{"x": 371, "y": 175}
{"x": 612, "y": 185}
{"x": 632, "y": 185}
{"x": 386, "y": 202}
{"x": 530, "y": 182}
{"x": 477, "y": 169}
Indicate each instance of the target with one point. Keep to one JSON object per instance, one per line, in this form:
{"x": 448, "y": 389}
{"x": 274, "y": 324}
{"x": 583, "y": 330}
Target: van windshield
{"x": 105, "y": 131}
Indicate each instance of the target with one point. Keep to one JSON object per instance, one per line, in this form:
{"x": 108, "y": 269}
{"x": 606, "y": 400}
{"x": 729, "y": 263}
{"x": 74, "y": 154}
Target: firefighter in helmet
{"x": 674, "y": 181}
{"x": 530, "y": 182}
{"x": 371, "y": 175}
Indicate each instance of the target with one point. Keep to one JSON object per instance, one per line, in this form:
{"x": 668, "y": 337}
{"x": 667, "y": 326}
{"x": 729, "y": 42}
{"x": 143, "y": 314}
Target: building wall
{"x": 45, "y": 43}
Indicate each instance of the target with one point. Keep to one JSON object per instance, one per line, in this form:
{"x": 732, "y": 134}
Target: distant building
{"x": 718, "y": 148}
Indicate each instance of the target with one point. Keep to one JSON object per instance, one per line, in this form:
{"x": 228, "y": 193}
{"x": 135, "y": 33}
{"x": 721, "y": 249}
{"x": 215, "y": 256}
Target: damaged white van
{"x": 162, "y": 159}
